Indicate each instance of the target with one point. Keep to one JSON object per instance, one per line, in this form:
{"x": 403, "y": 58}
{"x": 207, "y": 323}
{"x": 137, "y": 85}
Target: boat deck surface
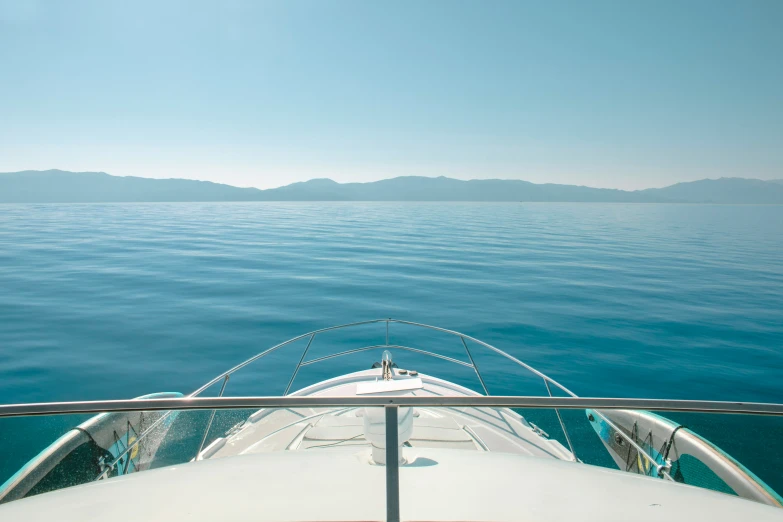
{"x": 343, "y": 484}
{"x": 473, "y": 429}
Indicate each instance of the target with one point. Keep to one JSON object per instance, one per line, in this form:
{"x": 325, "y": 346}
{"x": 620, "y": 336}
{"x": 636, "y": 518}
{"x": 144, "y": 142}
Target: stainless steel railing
{"x": 391, "y": 405}
{"x": 193, "y": 401}
{"x": 527, "y": 402}
{"x": 387, "y": 322}
{"x": 548, "y": 381}
{"x": 302, "y": 362}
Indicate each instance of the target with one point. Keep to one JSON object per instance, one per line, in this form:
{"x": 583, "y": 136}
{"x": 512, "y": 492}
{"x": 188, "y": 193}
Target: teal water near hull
{"x": 647, "y": 300}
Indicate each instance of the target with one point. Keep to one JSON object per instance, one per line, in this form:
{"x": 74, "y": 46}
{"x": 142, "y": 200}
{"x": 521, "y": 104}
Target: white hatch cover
{"x": 394, "y": 385}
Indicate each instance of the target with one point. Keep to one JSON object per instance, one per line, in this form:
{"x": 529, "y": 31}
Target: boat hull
{"x": 694, "y": 460}
{"x": 82, "y": 454}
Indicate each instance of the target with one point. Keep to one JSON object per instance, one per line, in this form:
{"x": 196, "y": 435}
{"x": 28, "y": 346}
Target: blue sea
{"x": 645, "y": 300}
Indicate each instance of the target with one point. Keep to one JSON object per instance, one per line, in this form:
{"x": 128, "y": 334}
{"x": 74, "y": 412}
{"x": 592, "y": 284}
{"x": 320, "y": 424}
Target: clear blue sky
{"x": 627, "y": 94}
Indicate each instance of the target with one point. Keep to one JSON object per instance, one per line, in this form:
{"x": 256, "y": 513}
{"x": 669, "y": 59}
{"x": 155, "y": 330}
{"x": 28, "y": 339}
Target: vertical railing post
{"x": 475, "y": 368}
{"x": 562, "y": 424}
{"x": 387, "y": 332}
{"x": 211, "y": 418}
{"x": 296, "y": 370}
{"x": 392, "y": 466}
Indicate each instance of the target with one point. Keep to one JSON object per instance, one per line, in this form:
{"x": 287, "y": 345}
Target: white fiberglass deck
{"x": 343, "y": 484}
{"x": 475, "y": 429}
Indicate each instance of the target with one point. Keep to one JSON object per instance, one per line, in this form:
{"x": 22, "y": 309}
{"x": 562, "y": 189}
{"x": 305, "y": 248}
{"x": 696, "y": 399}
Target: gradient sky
{"x": 627, "y": 94}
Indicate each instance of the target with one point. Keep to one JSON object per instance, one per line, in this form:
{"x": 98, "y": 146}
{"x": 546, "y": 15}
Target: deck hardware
{"x": 299, "y": 365}
{"x": 392, "y": 466}
{"x": 386, "y": 366}
{"x": 562, "y": 424}
{"x": 473, "y": 365}
{"x": 539, "y": 431}
{"x": 209, "y": 424}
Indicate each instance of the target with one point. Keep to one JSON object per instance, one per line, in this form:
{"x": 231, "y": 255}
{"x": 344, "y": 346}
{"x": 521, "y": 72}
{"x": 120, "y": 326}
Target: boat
{"x": 86, "y": 450}
{"x": 382, "y": 440}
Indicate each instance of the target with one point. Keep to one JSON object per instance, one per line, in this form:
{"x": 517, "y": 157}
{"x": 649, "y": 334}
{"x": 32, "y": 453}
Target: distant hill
{"x": 56, "y": 186}
{"x": 723, "y": 190}
{"x": 415, "y": 188}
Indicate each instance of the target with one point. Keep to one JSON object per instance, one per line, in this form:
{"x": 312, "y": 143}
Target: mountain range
{"x": 57, "y": 186}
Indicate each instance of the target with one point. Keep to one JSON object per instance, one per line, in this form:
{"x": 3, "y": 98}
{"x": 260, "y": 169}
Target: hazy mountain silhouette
{"x": 723, "y": 190}
{"x": 56, "y": 186}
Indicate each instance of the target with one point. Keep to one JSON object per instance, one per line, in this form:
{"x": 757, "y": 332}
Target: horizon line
{"x": 383, "y": 179}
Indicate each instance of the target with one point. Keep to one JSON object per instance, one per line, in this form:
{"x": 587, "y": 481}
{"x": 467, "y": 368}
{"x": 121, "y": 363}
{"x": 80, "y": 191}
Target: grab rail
{"x": 477, "y": 401}
{"x": 313, "y": 333}
{"x": 193, "y": 401}
{"x": 472, "y": 364}
{"x": 572, "y": 401}
{"x": 391, "y": 406}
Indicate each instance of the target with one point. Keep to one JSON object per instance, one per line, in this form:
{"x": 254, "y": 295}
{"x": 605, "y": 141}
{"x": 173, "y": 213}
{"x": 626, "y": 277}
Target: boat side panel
{"x": 695, "y": 461}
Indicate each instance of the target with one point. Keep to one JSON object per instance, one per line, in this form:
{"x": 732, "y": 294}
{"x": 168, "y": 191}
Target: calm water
{"x": 115, "y": 301}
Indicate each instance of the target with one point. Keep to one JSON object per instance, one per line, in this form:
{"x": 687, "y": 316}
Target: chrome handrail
{"x": 571, "y": 402}
{"x": 547, "y": 380}
{"x": 225, "y": 375}
{"x": 386, "y": 346}
{"x": 313, "y": 333}
{"x": 277, "y": 346}
{"x": 391, "y": 406}
{"x": 477, "y": 401}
